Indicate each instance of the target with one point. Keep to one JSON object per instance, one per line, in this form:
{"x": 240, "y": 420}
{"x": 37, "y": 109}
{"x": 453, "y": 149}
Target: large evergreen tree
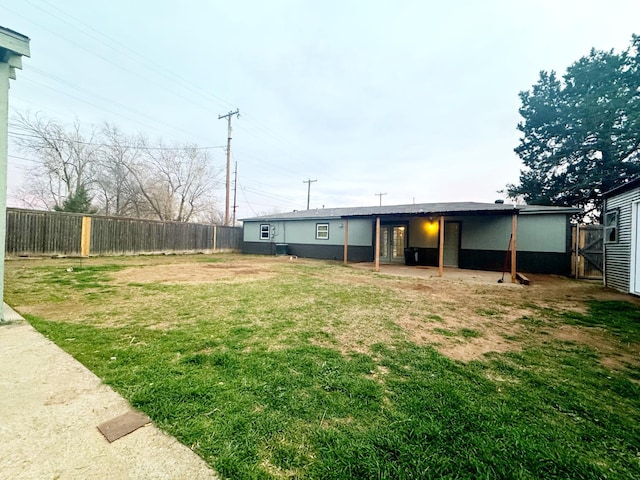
{"x": 581, "y": 134}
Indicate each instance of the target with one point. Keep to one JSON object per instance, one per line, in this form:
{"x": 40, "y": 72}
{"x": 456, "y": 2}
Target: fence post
{"x": 215, "y": 233}
{"x": 85, "y": 238}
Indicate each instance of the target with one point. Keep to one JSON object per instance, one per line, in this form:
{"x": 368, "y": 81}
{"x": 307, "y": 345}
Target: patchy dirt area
{"x": 191, "y": 273}
{"x": 468, "y": 319}
{"x": 464, "y": 314}
{"x": 240, "y": 270}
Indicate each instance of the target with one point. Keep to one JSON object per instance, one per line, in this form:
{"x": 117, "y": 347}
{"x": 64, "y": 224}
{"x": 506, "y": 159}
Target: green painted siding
{"x": 485, "y": 232}
{"x": 304, "y": 232}
{"x": 536, "y": 233}
{"x": 542, "y": 233}
{"x": 423, "y": 233}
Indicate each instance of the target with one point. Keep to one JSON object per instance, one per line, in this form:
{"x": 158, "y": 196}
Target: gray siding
{"x": 542, "y": 244}
{"x": 536, "y": 233}
{"x": 304, "y": 232}
{"x": 548, "y": 233}
{"x": 618, "y": 255}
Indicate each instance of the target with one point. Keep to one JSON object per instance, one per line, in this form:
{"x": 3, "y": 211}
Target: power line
{"x": 23, "y": 158}
{"x": 118, "y": 65}
{"x": 95, "y": 144}
{"x": 109, "y": 100}
{"x": 119, "y": 47}
{"x": 137, "y": 62}
{"x": 262, "y": 193}
{"x": 309, "y": 182}
{"x": 244, "y": 194}
{"x": 228, "y": 116}
{"x": 380, "y": 195}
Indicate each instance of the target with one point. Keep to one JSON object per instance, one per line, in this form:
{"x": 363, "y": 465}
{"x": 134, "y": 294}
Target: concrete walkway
{"x": 450, "y": 274}
{"x": 50, "y": 406}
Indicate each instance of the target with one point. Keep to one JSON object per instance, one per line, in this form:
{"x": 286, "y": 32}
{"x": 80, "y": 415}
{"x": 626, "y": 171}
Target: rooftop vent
{"x": 499, "y": 201}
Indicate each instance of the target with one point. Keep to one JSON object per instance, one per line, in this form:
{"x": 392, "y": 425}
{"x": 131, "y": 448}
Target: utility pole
{"x": 228, "y": 183}
{"x": 380, "y": 195}
{"x": 235, "y": 188}
{"x": 309, "y": 190}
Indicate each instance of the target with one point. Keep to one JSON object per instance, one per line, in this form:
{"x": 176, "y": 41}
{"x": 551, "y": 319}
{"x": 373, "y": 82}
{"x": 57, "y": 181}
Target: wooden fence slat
{"x": 32, "y": 232}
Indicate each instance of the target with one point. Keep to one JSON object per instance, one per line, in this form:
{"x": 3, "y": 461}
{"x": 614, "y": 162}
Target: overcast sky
{"x": 415, "y": 99}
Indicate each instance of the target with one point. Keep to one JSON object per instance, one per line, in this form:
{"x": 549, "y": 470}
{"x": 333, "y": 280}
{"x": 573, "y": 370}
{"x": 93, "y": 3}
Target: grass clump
{"x": 461, "y": 332}
{"x": 617, "y": 317}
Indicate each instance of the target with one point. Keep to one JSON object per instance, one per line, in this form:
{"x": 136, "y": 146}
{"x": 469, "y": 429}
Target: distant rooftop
{"x": 418, "y": 209}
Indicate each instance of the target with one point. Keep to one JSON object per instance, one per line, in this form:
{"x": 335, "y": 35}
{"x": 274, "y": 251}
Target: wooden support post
{"x": 441, "y": 247}
{"x": 376, "y": 261}
{"x": 514, "y": 231}
{"x": 85, "y": 237}
{"x": 346, "y": 241}
{"x": 215, "y": 238}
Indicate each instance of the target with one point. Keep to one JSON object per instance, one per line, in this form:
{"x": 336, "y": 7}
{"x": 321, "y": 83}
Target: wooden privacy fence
{"x": 36, "y": 233}
{"x": 587, "y": 252}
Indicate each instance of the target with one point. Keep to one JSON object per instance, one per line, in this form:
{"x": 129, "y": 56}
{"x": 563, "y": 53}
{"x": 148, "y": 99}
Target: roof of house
{"x": 14, "y": 41}
{"x": 419, "y": 209}
{"x": 634, "y": 183}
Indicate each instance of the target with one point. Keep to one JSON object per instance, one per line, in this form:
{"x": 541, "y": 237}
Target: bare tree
{"x": 115, "y": 193}
{"x": 176, "y": 182}
{"x": 66, "y": 157}
{"x": 123, "y": 175}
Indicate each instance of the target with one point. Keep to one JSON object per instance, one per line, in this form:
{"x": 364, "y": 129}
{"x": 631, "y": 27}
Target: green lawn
{"x": 302, "y": 371}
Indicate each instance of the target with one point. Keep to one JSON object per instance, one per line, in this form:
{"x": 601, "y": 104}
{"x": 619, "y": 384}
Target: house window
{"x": 611, "y": 226}
{"x": 322, "y": 231}
{"x": 265, "y": 229}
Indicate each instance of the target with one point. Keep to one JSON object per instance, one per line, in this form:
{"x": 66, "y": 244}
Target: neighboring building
{"x": 622, "y": 237}
{"x": 474, "y": 236}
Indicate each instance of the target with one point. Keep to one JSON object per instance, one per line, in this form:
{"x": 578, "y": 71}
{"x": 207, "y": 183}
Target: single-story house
{"x": 621, "y": 210}
{"x": 461, "y": 234}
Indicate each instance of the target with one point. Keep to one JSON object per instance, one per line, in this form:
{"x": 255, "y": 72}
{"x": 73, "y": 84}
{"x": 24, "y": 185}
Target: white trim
{"x": 635, "y": 242}
{"x": 322, "y": 231}
{"x": 263, "y": 231}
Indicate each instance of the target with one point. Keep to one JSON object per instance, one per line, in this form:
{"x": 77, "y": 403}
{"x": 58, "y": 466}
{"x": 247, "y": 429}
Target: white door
{"x": 634, "y": 281}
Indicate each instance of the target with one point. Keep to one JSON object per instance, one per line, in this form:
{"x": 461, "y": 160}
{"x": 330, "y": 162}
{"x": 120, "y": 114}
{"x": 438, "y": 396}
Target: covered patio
{"x": 436, "y": 223}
